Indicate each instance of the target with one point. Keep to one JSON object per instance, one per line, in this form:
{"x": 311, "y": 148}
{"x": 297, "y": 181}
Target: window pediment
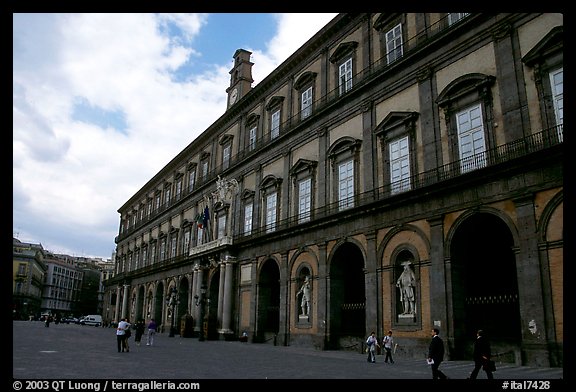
{"x": 247, "y": 194}
{"x": 344, "y": 49}
{"x": 303, "y": 165}
{"x": 252, "y": 118}
{"x": 225, "y": 139}
{"x": 385, "y": 19}
{"x": 464, "y": 85}
{"x": 270, "y": 181}
{"x": 274, "y": 102}
{"x": 304, "y": 79}
{"x": 395, "y": 120}
{"x": 344, "y": 145}
{"x": 553, "y": 42}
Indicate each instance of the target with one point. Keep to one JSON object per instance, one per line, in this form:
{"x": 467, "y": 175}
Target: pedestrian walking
{"x": 388, "y": 343}
{"x": 372, "y": 343}
{"x": 140, "y": 326}
{"x": 151, "y": 332}
{"x": 127, "y": 334}
{"x": 120, "y": 334}
{"x": 481, "y": 356}
{"x": 436, "y": 355}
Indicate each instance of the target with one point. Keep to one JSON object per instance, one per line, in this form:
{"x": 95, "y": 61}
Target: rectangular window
{"x": 200, "y": 236}
{"x": 399, "y": 165}
{"x": 162, "y": 249}
{"x": 226, "y": 151}
{"x": 186, "y": 246}
{"x": 252, "y": 139}
{"x": 157, "y": 202}
{"x": 456, "y": 16}
{"x": 173, "y": 242}
{"x": 153, "y": 254}
{"x": 167, "y": 196}
{"x": 221, "y": 226}
{"x": 394, "y": 44}
{"x": 346, "y": 185}
{"x": 204, "y": 170}
{"x": 149, "y": 212}
{"x": 345, "y": 76}
{"x": 275, "y": 124}
{"x": 248, "y": 219}
{"x": 557, "y": 84}
{"x": 271, "y": 212}
{"x": 178, "y": 189}
{"x": 471, "y": 139}
{"x": 191, "y": 178}
{"x": 306, "y": 105}
{"x": 144, "y": 257}
{"x": 304, "y": 200}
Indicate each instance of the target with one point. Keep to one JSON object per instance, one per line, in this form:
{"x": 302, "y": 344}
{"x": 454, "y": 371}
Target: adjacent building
{"x": 399, "y": 171}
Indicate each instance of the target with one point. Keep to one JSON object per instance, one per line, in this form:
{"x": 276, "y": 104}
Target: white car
{"x": 92, "y": 319}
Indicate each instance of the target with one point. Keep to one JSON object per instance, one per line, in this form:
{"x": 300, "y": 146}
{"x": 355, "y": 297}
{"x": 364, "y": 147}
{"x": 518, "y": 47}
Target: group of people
{"x": 481, "y": 353}
{"x": 123, "y": 333}
{"x": 387, "y": 343}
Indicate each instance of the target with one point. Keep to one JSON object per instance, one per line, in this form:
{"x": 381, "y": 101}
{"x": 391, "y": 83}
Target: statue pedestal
{"x": 303, "y": 317}
{"x": 406, "y": 319}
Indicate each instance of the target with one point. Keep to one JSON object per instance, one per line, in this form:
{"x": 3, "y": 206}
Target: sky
{"x": 102, "y": 102}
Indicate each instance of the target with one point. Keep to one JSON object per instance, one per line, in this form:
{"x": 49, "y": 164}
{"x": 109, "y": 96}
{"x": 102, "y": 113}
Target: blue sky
{"x": 101, "y": 102}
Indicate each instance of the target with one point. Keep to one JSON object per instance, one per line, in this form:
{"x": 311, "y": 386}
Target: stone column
{"x": 228, "y": 295}
{"x": 125, "y": 299}
{"x": 221, "y": 293}
{"x": 199, "y": 278}
{"x": 532, "y": 316}
{"x": 117, "y": 309}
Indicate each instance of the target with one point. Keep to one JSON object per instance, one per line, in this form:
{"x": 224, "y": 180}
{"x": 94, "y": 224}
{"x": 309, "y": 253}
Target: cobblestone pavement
{"x": 70, "y": 351}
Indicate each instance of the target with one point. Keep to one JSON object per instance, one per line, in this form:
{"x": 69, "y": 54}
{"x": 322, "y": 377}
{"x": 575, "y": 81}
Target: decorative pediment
{"x": 252, "y": 118}
{"x": 464, "y": 85}
{"x": 343, "y": 145}
{"x": 270, "y": 181}
{"x": 394, "y": 120}
{"x": 225, "y": 139}
{"x": 344, "y": 49}
{"x": 304, "y": 79}
{"x": 551, "y": 43}
{"x": 274, "y": 102}
{"x": 303, "y": 165}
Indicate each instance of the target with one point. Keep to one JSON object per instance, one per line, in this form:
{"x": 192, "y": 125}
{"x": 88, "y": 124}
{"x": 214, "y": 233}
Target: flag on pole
{"x": 200, "y": 220}
{"x": 206, "y": 217}
{"x": 205, "y": 223}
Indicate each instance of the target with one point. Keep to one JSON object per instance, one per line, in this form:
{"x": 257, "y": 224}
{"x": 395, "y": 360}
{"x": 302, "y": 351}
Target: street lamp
{"x": 200, "y": 300}
{"x": 172, "y": 301}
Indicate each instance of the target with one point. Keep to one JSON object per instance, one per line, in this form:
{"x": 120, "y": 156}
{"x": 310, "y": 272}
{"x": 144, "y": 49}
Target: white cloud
{"x": 70, "y": 177}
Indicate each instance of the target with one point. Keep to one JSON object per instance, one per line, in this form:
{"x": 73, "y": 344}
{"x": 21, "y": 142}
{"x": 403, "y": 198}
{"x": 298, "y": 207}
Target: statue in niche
{"x": 306, "y": 291}
{"x": 407, "y": 285}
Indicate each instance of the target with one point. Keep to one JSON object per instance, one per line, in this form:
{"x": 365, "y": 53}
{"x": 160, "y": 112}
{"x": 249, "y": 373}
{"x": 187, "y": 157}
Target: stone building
{"x": 407, "y": 166}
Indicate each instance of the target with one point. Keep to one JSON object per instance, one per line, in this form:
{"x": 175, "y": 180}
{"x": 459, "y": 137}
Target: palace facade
{"x": 406, "y": 167}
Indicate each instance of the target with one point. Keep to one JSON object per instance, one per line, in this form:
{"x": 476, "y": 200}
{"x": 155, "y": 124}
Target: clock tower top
{"x": 240, "y": 76}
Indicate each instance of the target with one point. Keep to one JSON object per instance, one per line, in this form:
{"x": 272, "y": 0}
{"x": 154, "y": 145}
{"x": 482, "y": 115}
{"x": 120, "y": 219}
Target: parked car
{"x": 92, "y": 319}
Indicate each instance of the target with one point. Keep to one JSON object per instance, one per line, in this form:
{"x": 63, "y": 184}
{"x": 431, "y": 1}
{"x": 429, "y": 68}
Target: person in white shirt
{"x": 120, "y": 334}
{"x": 372, "y": 343}
{"x": 388, "y": 343}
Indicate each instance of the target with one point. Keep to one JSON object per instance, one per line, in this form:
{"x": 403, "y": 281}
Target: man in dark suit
{"x": 481, "y": 356}
{"x": 436, "y": 355}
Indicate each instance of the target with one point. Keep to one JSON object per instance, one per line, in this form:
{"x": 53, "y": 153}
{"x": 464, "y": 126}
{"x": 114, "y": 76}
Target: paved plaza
{"x": 70, "y": 351}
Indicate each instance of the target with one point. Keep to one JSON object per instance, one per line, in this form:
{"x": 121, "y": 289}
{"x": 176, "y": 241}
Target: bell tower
{"x": 240, "y": 76}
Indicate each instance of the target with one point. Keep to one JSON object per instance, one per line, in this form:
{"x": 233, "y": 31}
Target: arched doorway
{"x": 268, "y": 316}
{"x": 211, "y": 310}
{"x": 347, "y": 297}
{"x": 484, "y": 285}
